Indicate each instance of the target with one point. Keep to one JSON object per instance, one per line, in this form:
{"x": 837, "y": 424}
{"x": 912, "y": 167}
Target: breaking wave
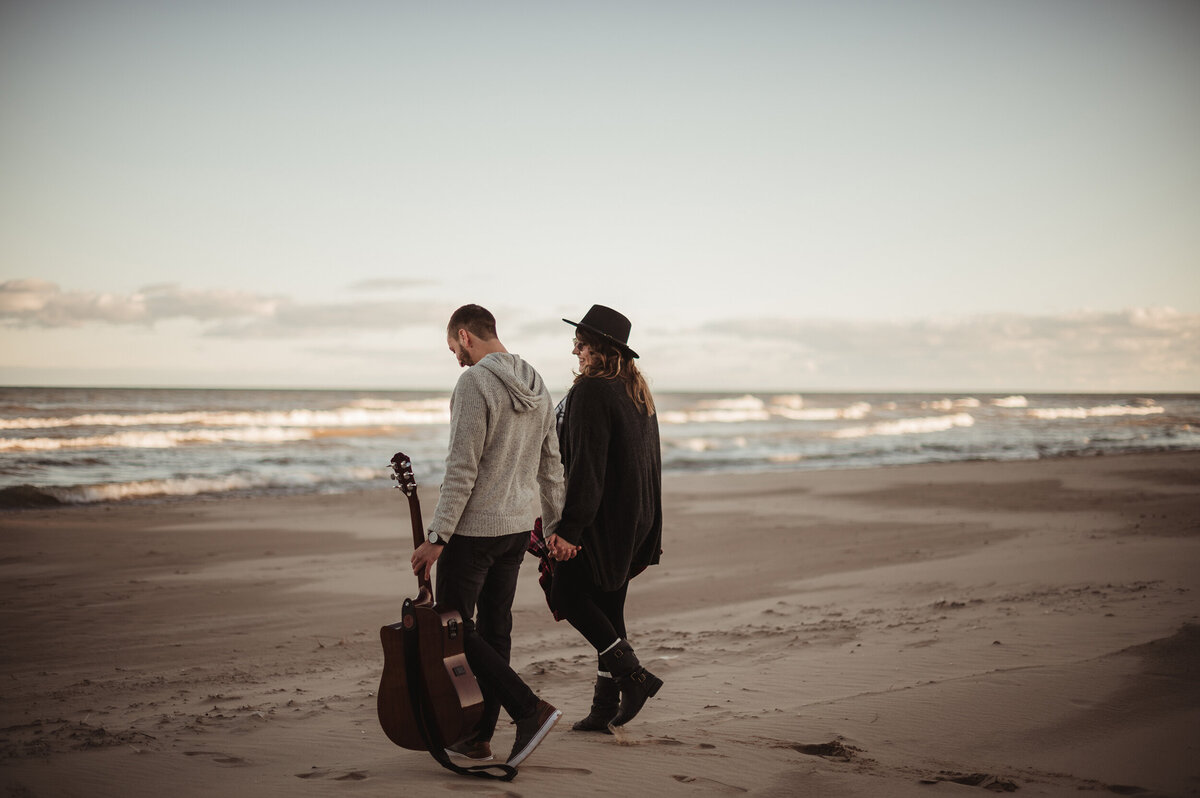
{"x": 750, "y": 408}
{"x": 161, "y": 439}
{"x": 1104, "y": 411}
{"x": 908, "y": 426}
{"x": 362, "y": 413}
{"x": 30, "y": 496}
{"x": 81, "y": 446}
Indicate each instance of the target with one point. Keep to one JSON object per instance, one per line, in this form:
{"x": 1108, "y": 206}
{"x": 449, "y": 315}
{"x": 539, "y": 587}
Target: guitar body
{"x": 427, "y": 643}
{"x": 427, "y": 694}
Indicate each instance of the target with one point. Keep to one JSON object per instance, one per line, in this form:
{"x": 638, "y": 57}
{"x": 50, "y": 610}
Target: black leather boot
{"x": 606, "y": 700}
{"x": 636, "y": 683}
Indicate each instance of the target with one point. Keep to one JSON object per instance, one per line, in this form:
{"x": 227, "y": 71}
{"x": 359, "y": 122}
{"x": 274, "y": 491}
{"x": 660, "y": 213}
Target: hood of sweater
{"x": 524, "y": 384}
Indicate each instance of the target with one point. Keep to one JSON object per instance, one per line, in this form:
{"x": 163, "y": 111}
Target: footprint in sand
{"x": 833, "y": 749}
{"x": 984, "y": 780}
{"x": 626, "y": 739}
{"x": 219, "y": 758}
{"x": 709, "y": 783}
{"x": 470, "y": 787}
{"x": 558, "y": 771}
{"x": 320, "y": 773}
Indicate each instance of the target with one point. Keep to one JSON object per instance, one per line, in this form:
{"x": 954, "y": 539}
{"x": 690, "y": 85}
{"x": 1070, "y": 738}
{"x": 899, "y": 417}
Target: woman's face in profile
{"x": 583, "y": 352}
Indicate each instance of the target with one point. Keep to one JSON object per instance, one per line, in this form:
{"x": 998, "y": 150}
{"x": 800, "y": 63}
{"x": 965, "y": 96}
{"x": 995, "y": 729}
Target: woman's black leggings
{"x": 599, "y": 615}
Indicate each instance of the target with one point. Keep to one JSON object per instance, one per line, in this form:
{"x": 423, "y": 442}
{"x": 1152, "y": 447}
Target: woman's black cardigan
{"x": 613, "y": 463}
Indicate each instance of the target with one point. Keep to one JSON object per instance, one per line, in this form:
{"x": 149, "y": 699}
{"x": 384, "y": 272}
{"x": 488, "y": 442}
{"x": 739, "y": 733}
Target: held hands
{"x": 560, "y": 549}
{"x": 425, "y": 556}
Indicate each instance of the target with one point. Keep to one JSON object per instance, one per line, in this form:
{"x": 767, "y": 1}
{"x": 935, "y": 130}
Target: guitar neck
{"x": 406, "y": 481}
{"x": 418, "y": 526}
{"x": 418, "y": 530}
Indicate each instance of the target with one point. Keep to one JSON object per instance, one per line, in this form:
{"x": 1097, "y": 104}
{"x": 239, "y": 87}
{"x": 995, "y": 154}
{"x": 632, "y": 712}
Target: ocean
{"x": 94, "y": 445}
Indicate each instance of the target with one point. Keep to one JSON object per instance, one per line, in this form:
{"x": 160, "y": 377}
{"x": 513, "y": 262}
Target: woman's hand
{"x": 560, "y": 549}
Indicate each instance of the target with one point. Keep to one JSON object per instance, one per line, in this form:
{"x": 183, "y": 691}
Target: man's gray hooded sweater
{"x": 503, "y": 453}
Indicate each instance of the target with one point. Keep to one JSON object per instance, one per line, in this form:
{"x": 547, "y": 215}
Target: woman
{"x": 611, "y": 526}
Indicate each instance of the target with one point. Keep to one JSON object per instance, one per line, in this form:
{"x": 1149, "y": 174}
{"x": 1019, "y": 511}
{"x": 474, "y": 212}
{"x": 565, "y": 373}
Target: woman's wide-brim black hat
{"x": 609, "y": 324}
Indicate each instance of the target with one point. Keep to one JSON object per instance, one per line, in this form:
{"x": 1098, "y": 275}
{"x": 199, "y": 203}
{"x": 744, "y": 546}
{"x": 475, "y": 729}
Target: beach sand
{"x": 912, "y": 631}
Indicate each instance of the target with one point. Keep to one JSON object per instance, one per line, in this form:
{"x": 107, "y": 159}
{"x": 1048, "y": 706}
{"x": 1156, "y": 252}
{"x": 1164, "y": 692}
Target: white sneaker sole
{"x": 469, "y": 758}
{"x": 537, "y": 738}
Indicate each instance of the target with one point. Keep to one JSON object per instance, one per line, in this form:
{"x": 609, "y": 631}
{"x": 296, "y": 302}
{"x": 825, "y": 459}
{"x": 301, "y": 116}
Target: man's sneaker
{"x": 532, "y": 730}
{"x": 478, "y": 750}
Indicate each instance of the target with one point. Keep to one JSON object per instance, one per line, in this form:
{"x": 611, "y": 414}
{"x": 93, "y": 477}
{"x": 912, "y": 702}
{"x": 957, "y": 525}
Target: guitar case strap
{"x": 430, "y": 732}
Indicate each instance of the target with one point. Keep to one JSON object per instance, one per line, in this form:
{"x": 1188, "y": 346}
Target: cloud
{"x": 173, "y": 302}
{"x": 44, "y": 304}
{"x": 39, "y": 303}
{"x": 1138, "y": 349}
{"x": 292, "y": 318}
{"x": 1086, "y": 350}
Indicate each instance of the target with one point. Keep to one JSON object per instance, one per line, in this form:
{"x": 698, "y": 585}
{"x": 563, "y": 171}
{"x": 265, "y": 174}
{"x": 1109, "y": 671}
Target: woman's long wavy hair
{"x": 608, "y": 362}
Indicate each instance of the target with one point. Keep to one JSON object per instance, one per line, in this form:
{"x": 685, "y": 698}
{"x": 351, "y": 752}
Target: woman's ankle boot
{"x": 636, "y": 683}
{"x": 606, "y": 700}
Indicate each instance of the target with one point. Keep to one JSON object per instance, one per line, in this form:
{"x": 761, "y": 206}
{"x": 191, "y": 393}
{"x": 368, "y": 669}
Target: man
{"x": 503, "y": 458}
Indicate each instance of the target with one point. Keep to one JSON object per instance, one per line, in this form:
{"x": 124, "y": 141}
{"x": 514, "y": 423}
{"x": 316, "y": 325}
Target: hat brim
{"x": 619, "y": 345}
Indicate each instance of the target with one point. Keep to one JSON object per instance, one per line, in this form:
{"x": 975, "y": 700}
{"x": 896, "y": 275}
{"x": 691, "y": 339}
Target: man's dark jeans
{"x": 481, "y": 574}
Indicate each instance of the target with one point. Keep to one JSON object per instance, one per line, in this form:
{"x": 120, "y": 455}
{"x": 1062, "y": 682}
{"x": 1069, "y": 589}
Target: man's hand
{"x": 425, "y": 556}
{"x": 561, "y": 549}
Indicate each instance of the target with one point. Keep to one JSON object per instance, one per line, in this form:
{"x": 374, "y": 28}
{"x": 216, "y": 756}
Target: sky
{"x": 924, "y": 195}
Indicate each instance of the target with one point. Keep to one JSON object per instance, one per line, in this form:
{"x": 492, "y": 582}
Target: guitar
{"x": 428, "y": 697}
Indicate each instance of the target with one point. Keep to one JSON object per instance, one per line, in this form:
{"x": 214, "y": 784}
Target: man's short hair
{"x": 474, "y": 319}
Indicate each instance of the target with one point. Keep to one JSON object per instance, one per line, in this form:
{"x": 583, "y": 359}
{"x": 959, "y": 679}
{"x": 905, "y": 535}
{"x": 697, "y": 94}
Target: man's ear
{"x": 464, "y": 338}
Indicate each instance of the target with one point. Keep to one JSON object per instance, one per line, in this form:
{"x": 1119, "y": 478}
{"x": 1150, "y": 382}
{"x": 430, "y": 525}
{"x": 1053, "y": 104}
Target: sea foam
{"x": 907, "y": 426}
{"x": 160, "y": 439}
{"x": 371, "y": 413}
{"x": 750, "y": 408}
{"x": 1104, "y": 411}
{"x": 194, "y": 486}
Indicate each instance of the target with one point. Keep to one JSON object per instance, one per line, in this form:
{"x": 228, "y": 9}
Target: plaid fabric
{"x": 538, "y": 548}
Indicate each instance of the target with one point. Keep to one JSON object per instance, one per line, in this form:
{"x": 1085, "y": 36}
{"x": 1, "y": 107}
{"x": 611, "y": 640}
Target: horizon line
{"x": 722, "y": 391}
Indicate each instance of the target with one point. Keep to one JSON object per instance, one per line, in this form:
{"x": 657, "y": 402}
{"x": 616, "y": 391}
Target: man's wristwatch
{"x": 432, "y": 537}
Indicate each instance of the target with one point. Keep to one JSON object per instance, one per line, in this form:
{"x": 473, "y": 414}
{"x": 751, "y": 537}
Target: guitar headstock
{"x": 402, "y": 469}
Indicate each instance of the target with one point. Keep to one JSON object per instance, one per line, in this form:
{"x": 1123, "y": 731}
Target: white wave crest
{"x": 378, "y": 414}
{"x": 193, "y": 486}
{"x": 700, "y": 445}
{"x": 951, "y": 404}
{"x": 164, "y": 439}
{"x": 908, "y": 426}
{"x": 751, "y": 408}
{"x": 858, "y": 410}
{"x": 439, "y": 405}
{"x": 1011, "y": 401}
{"x": 712, "y": 416}
{"x": 1105, "y": 411}
{"x": 719, "y": 411}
